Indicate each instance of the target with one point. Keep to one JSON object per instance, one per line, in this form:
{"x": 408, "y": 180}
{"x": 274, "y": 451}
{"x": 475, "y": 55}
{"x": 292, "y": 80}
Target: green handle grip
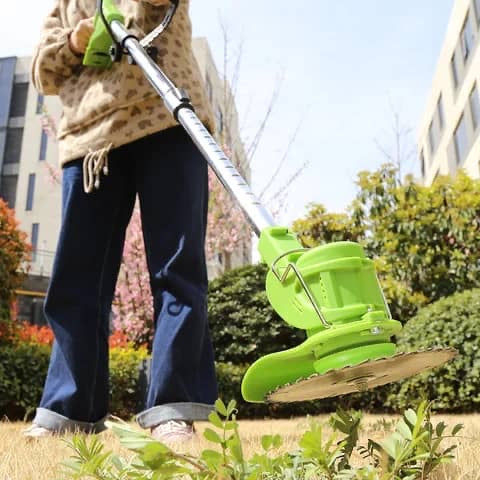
{"x": 98, "y": 50}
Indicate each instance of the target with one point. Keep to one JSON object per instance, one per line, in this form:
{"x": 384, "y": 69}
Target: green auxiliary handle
{"x": 99, "y": 51}
{"x": 331, "y": 291}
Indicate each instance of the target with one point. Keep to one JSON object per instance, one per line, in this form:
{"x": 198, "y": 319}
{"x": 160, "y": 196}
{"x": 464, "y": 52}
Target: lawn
{"x": 22, "y": 459}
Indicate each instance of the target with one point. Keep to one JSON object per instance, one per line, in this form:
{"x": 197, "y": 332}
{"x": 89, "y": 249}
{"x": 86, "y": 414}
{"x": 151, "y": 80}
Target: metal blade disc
{"x": 361, "y": 377}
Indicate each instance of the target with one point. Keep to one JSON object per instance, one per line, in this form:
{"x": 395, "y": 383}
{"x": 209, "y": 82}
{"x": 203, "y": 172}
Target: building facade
{"x": 449, "y": 131}
{"x": 29, "y": 167}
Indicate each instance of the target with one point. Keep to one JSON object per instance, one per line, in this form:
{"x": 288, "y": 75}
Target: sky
{"x": 342, "y": 68}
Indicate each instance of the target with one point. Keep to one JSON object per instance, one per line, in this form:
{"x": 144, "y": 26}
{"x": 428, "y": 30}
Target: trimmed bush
{"x": 124, "y": 380}
{"x": 23, "y": 368}
{"x": 450, "y": 322}
{"x": 243, "y": 325}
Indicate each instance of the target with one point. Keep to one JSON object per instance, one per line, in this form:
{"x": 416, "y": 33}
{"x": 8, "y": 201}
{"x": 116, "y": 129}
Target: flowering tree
{"x": 226, "y": 225}
{"x": 133, "y": 304}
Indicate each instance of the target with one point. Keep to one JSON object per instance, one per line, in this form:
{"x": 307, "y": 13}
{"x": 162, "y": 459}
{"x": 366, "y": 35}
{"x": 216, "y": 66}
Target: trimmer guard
{"x": 360, "y": 377}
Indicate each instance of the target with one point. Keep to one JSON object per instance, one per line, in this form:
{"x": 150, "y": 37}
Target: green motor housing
{"x": 331, "y": 292}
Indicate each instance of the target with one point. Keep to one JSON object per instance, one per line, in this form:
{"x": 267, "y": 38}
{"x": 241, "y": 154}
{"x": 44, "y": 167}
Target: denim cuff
{"x": 187, "y": 411}
{"x": 58, "y": 423}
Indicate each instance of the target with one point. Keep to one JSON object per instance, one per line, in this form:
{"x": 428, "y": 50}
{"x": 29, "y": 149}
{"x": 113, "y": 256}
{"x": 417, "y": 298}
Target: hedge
{"x": 23, "y": 368}
{"x": 22, "y": 373}
{"x": 455, "y": 387}
{"x": 243, "y": 324}
{"x": 450, "y": 322}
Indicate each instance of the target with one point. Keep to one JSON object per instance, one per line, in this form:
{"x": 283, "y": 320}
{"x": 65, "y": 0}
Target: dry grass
{"x": 22, "y": 459}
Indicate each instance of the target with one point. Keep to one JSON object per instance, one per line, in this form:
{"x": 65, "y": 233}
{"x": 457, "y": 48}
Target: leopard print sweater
{"x": 105, "y": 109}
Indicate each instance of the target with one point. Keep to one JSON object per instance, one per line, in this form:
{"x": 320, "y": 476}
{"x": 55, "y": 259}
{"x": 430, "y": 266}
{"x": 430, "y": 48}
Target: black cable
{"x": 104, "y": 20}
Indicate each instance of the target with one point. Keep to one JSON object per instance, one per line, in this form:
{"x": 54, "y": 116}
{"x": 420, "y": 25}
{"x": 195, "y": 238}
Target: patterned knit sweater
{"x": 105, "y": 109}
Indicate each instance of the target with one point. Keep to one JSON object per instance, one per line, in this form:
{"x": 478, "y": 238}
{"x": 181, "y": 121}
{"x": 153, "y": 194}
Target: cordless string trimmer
{"x": 331, "y": 291}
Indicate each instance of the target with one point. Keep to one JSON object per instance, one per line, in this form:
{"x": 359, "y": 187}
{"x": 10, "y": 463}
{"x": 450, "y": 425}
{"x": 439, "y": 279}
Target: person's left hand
{"x": 155, "y": 3}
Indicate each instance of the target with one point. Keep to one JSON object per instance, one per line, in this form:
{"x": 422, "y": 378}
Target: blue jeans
{"x": 169, "y": 175}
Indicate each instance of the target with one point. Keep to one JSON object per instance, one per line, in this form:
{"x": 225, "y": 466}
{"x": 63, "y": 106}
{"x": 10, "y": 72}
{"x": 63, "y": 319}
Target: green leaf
{"x": 118, "y": 462}
{"x": 212, "y": 456}
{"x": 404, "y": 430}
{"x": 235, "y": 448}
{"x": 457, "y": 429}
{"x": 440, "y": 428}
{"x": 277, "y": 441}
{"x": 232, "y": 405}
{"x": 212, "y": 436}
{"x": 215, "y": 420}
{"x": 155, "y": 455}
{"x": 411, "y": 416}
{"x": 266, "y": 441}
{"x": 390, "y": 447}
{"x": 220, "y": 407}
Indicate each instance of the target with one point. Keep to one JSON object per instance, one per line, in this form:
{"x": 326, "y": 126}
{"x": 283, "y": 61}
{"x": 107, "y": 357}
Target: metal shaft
{"x": 174, "y": 99}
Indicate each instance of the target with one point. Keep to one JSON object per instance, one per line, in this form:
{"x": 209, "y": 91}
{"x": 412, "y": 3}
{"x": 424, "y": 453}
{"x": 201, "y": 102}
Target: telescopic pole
{"x": 178, "y": 103}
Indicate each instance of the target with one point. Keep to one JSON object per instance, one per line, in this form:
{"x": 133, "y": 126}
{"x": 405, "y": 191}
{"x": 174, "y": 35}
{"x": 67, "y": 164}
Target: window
{"x": 477, "y": 11}
{"x": 18, "y": 104}
{"x": 453, "y": 67}
{"x": 43, "y": 146}
{"x": 40, "y": 100}
{"x": 208, "y": 85}
{"x": 475, "y": 106}
{"x": 431, "y": 138}
{"x": 34, "y": 239}
{"x": 467, "y": 38}
{"x": 422, "y": 164}
{"x": 246, "y": 253}
{"x": 219, "y": 117}
{"x": 461, "y": 140}
{"x": 13, "y": 145}
{"x": 30, "y": 191}
{"x": 440, "y": 114}
{"x": 8, "y": 189}
{"x": 436, "y": 126}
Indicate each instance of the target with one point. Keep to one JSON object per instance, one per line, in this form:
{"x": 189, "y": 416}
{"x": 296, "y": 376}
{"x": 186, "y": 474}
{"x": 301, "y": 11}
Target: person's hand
{"x": 79, "y": 38}
{"x": 155, "y": 3}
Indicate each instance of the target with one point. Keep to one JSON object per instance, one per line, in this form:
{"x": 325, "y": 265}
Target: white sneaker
{"x": 173, "y": 431}
{"x": 36, "y": 431}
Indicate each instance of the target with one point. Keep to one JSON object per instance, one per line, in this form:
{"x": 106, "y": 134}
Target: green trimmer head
{"x": 333, "y": 293}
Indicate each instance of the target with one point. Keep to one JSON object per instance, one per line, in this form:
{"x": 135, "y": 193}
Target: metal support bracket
{"x": 282, "y": 277}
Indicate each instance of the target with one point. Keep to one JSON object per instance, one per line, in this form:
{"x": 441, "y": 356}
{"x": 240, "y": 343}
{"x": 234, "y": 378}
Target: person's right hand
{"x": 79, "y": 38}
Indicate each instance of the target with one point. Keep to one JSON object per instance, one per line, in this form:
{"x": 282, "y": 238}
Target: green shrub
{"x": 124, "y": 380}
{"x": 450, "y": 322}
{"x": 243, "y": 325}
{"x": 23, "y": 368}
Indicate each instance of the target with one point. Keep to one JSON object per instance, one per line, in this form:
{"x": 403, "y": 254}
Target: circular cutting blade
{"x": 361, "y": 377}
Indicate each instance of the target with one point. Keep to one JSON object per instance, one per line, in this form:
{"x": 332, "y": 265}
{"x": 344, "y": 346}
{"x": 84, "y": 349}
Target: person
{"x": 117, "y": 141}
